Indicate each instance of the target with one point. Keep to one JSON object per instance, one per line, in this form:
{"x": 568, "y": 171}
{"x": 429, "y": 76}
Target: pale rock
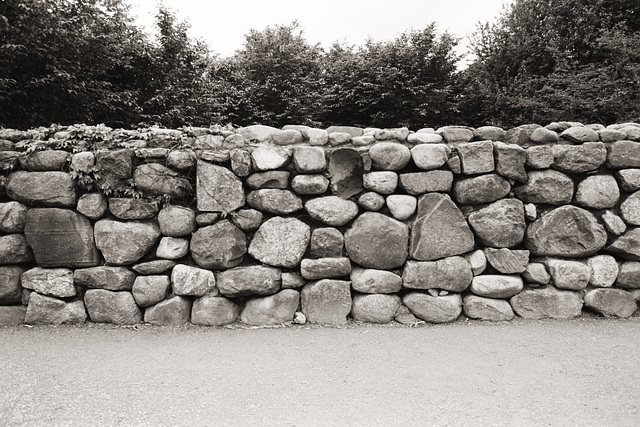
{"x": 299, "y": 318}
{"x": 172, "y": 248}
{"x": 598, "y": 192}
{"x": 572, "y": 275}
{"x": 536, "y": 272}
{"x": 399, "y": 134}
{"x": 112, "y": 307}
{"x": 488, "y": 133}
{"x": 338, "y": 138}
{"x": 546, "y": 187}
{"x": 369, "y": 234}
{"x": 362, "y": 141}
{"x": 501, "y": 224}
{"x": 83, "y": 162}
{"x": 544, "y": 136}
{"x": 280, "y": 242}
{"x": 218, "y": 189}
{"x": 547, "y": 302}
{"x": 629, "y": 179}
{"x": 48, "y": 189}
{"x": 389, "y": 156}
{"x": 269, "y": 158}
{"x": 158, "y": 266}
{"x": 274, "y": 201}
{"x": 452, "y": 274}
{"x": 258, "y": 133}
{"x": 309, "y": 159}
{"x": 430, "y": 156}
{"x": 292, "y": 280}
{"x": 477, "y": 260}
{"x": 287, "y": 137}
{"x": 123, "y": 243}
{"x": 623, "y": 155}
{"x": 440, "y": 309}
{"x": 176, "y": 221}
{"x": 92, "y": 205}
{"x": 54, "y": 282}
{"x": 218, "y": 246}
{"x": 611, "y": 135}
{"x": 530, "y": 212}
{"x": 326, "y": 301}
{"x": 476, "y": 157}
{"x": 105, "y": 277}
{"x": 481, "y": 189}
{"x": 375, "y": 308}
{"x": 373, "y": 281}
{"x": 174, "y": 311}
{"x": 401, "y": 206}
{"x": 416, "y": 183}
{"x": 603, "y": 269}
{"x": 44, "y": 310}
{"x": 13, "y": 217}
{"x": 496, "y": 285}
{"x": 211, "y": 310}
{"x": 613, "y": 223}
{"x": 453, "y": 134}
{"x": 510, "y": 161}
{"x": 247, "y": 219}
{"x": 611, "y": 302}
{"x": 383, "y": 182}
{"x": 539, "y": 157}
{"x": 481, "y": 308}
{"x": 331, "y": 210}
{"x": 507, "y": 261}
{"x": 579, "y": 158}
{"x": 306, "y": 185}
{"x": 630, "y": 209}
{"x": 315, "y": 136}
{"x": 424, "y": 138}
{"x": 150, "y": 290}
{"x": 371, "y": 201}
{"x": 269, "y": 179}
{"x": 271, "y": 310}
{"x": 579, "y": 135}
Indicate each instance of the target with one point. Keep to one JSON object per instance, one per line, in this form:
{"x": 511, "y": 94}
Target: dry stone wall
{"x": 269, "y": 226}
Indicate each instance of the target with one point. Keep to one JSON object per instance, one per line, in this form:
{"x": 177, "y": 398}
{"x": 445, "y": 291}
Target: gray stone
{"x": 114, "y": 169}
{"x": 241, "y": 162}
{"x": 258, "y": 133}
{"x": 539, "y": 157}
{"x": 389, "y": 156}
{"x": 566, "y": 231}
{"x": 603, "y": 271}
{"x": 92, "y": 205}
{"x": 292, "y": 280}
{"x": 520, "y": 135}
{"x": 629, "y": 275}
{"x": 417, "y": 183}
{"x": 315, "y": 136}
{"x": 510, "y": 161}
{"x": 424, "y": 138}
{"x": 325, "y": 268}
{"x": 10, "y": 285}
{"x": 172, "y": 248}
{"x": 536, "y": 272}
{"x": 326, "y": 301}
{"x": 383, "y": 182}
{"x": 331, "y": 210}
{"x": 48, "y": 189}
{"x": 309, "y": 184}
{"x": 170, "y": 312}
{"x": 176, "y": 221}
{"x": 547, "y": 302}
{"x": 481, "y": 189}
{"x": 208, "y": 142}
{"x": 112, "y": 307}
{"x": 440, "y": 309}
{"x": 572, "y": 275}
{"x": 14, "y": 250}
{"x": 501, "y": 224}
{"x": 481, "y": 308}
{"x": 123, "y": 243}
{"x": 338, "y": 138}
{"x": 610, "y": 135}
{"x": 496, "y": 285}
{"x": 579, "y": 135}
{"x": 439, "y": 229}
{"x": 632, "y": 132}
{"x": 12, "y": 315}
{"x": 477, "y": 260}
{"x": 476, "y": 157}
{"x": 360, "y": 141}
{"x": 287, "y": 137}
{"x": 371, "y": 201}
{"x": 158, "y": 180}
{"x": 546, "y": 187}
{"x": 399, "y": 134}
{"x": 269, "y": 179}
{"x": 150, "y": 290}
{"x": 271, "y": 310}
{"x": 430, "y": 156}
{"x": 13, "y": 217}
{"x": 182, "y": 159}
{"x": 613, "y": 223}
{"x": 630, "y": 209}
{"x": 309, "y": 159}
{"x": 280, "y": 242}
{"x": 247, "y": 219}
{"x": 372, "y": 281}
{"x": 401, "y": 206}
{"x": 105, "y": 277}
{"x": 54, "y": 282}
{"x": 491, "y": 133}
{"x": 598, "y": 192}
{"x": 579, "y": 158}
{"x": 48, "y": 160}
{"x": 623, "y": 154}
{"x": 218, "y": 246}
{"x": 544, "y": 136}
{"x": 44, "y": 310}
{"x": 530, "y": 212}
{"x": 452, "y": 274}
{"x": 345, "y": 172}
{"x": 375, "y": 308}
{"x": 507, "y": 261}
{"x": 274, "y": 201}
{"x": 351, "y": 130}
{"x": 250, "y": 280}
{"x": 218, "y": 189}
{"x": 371, "y": 232}
{"x": 611, "y": 302}
{"x": 627, "y": 246}
{"x": 405, "y": 317}
{"x": 629, "y": 179}
{"x": 269, "y": 158}
{"x": 453, "y": 134}
{"x": 326, "y": 242}
{"x": 154, "y": 267}
{"x": 211, "y": 310}
{"x": 127, "y": 208}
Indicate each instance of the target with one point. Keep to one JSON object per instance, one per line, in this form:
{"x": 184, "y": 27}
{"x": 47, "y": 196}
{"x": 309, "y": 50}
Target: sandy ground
{"x": 578, "y": 372}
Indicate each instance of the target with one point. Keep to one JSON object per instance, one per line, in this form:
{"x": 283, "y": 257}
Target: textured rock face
{"x": 501, "y": 224}
{"x": 451, "y": 274}
{"x": 105, "y": 277}
{"x": 123, "y": 243}
{"x": 375, "y": 308}
{"x": 481, "y": 189}
{"x": 112, "y": 307}
{"x": 439, "y": 229}
{"x": 12, "y": 315}
{"x": 271, "y": 310}
{"x": 579, "y": 158}
{"x": 173, "y": 311}
{"x": 345, "y": 172}
{"x": 269, "y": 179}
{"x": 49, "y": 189}
{"x": 611, "y": 302}
{"x": 372, "y": 281}
{"x": 629, "y": 275}
{"x": 150, "y": 290}
{"x": 218, "y": 246}
{"x": 114, "y": 168}
{"x": 598, "y": 192}
{"x": 192, "y": 281}
{"x": 252, "y": 280}
{"x": 481, "y": 308}
{"x": 623, "y": 154}
{"x": 280, "y": 202}
{"x": 172, "y": 248}
{"x": 496, "y": 286}
{"x": 211, "y": 310}
{"x": 510, "y": 161}
{"x": 13, "y": 217}
{"x": 325, "y": 268}
{"x": 603, "y": 270}
{"x": 326, "y": 301}
{"x": 10, "y": 285}
{"x": 44, "y": 310}
{"x": 218, "y": 189}
{"x": 547, "y": 302}
{"x": 572, "y": 275}
{"x": 92, "y": 205}
{"x": 132, "y": 208}
{"x": 440, "y": 309}
{"x": 371, "y": 232}
{"x": 309, "y": 159}
{"x": 158, "y": 180}
{"x": 389, "y": 156}
{"x": 176, "y": 221}
{"x": 309, "y": 184}
{"x": 567, "y": 231}
{"x": 476, "y": 157}
{"x": 627, "y": 246}
{"x": 382, "y": 182}
{"x": 546, "y": 187}
{"x": 507, "y": 261}
{"x": 52, "y": 160}
{"x": 280, "y": 242}
{"x": 417, "y": 183}
{"x": 14, "y": 249}
{"x": 326, "y": 242}
{"x": 54, "y": 282}
{"x": 430, "y": 156}
{"x": 332, "y": 210}
{"x": 630, "y": 209}
{"x": 269, "y": 158}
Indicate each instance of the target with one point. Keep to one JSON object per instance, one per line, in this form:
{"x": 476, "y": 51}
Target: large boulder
{"x": 547, "y": 302}
{"x": 572, "y": 275}
{"x": 10, "y": 284}
{"x": 218, "y": 189}
{"x": 158, "y": 180}
{"x": 250, "y": 280}
{"x": 49, "y": 189}
{"x": 611, "y": 302}
{"x": 123, "y": 243}
{"x": 112, "y": 307}
{"x": 114, "y": 169}
{"x": 48, "y": 160}
{"x": 430, "y": 156}
{"x": 481, "y": 189}
{"x": 546, "y": 187}
{"x": 510, "y": 161}
{"x": 326, "y": 301}
{"x": 105, "y": 277}
{"x": 211, "y": 310}
{"x": 476, "y": 157}
{"x": 452, "y": 274}
{"x": 218, "y": 246}
{"x": 389, "y": 156}
{"x": 598, "y": 192}
{"x": 44, "y": 310}
{"x": 54, "y": 282}
{"x": 331, "y": 210}
{"x": 271, "y": 310}
{"x": 491, "y": 309}
{"x": 579, "y": 158}
{"x": 192, "y": 281}
{"x": 440, "y": 309}
{"x": 375, "y": 308}
{"x": 623, "y": 154}
{"x": 280, "y": 242}
{"x": 177, "y": 221}
{"x": 172, "y": 311}
{"x": 501, "y": 224}
{"x": 377, "y": 241}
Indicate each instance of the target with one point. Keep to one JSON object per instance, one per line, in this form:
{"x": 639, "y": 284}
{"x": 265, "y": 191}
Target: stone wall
{"x": 268, "y": 226}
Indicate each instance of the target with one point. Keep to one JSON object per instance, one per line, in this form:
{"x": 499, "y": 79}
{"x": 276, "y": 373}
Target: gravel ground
{"x": 577, "y": 372}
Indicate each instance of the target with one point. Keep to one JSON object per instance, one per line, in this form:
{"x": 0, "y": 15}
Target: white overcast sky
{"x": 223, "y": 24}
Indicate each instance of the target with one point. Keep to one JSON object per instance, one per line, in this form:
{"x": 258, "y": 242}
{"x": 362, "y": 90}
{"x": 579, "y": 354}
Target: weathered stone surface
{"x": 280, "y": 242}
{"x": 547, "y": 187}
{"x": 544, "y": 136}
{"x": 218, "y": 246}
{"x": 477, "y": 260}
{"x": 218, "y": 189}
{"x": 430, "y": 156}
{"x": 287, "y": 137}
{"x": 182, "y": 159}
{"x": 331, "y": 210}
{"x": 630, "y": 209}
{"x": 520, "y": 135}
{"x": 603, "y": 270}
{"x": 491, "y": 309}
{"x": 417, "y": 183}
{"x": 510, "y": 160}
{"x": 611, "y": 302}
{"x": 629, "y": 275}
{"x": 598, "y": 192}
{"x": 439, "y": 229}
{"x": 315, "y": 136}
{"x": 173, "y": 311}
{"x": 309, "y": 159}
{"x": 629, "y": 179}
{"x": 547, "y": 302}
{"x": 579, "y": 134}
{"x": 501, "y": 224}
{"x": 128, "y": 208}
{"x": 271, "y": 310}
{"x": 398, "y": 134}
{"x": 154, "y": 267}
{"x": 507, "y": 261}
{"x": 488, "y": 133}
{"x": 60, "y": 238}
{"x": 481, "y": 189}
{"x": 536, "y": 272}
{"x": 309, "y": 184}
{"x": 247, "y": 219}
{"x": 274, "y": 201}
{"x": 440, "y": 309}
{"x": 13, "y": 217}
{"x": 496, "y": 285}
{"x": 48, "y": 160}
{"x": 401, "y": 206}
{"x": 10, "y": 285}
{"x": 326, "y": 242}
{"x": 158, "y": 180}
{"x": 208, "y": 142}
{"x": 241, "y": 162}
{"x": 579, "y": 158}
{"x": 424, "y": 138}
{"x": 383, "y": 182}
{"x": 405, "y": 317}
{"x": 292, "y": 280}
{"x": 44, "y": 310}
{"x": 112, "y": 307}
{"x": 251, "y": 280}
{"x": 566, "y": 231}
{"x": 572, "y": 275}
{"x": 176, "y": 221}
{"x": 627, "y": 246}
{"x": 114, "y": 168}
{"x": 530, "y": 212}
{"x": 375, "y": 308}
{"x": 610, "y": 135}
{"x": 632, "y": 131}
{"x": 325, "y": 268}
{"x": 539, "y": 157}
{"x": 372, "y": 281}
{"x": 623, "y": 154}
{"x": 613, "y": 223}
{"x": 92, "y": 205}
{"x": 258, "y": 133}
{"x": 345, "y": 172}
{"x": 105, "y": 277}
{"x": 371, "y": 201}
{"x": 172, "y": 248}
{"x": 211, "y": 310}
{"x": 14, "y": 249}
{"x": 371, "y": 232}
{"x": 269, "y": 158}
{"x": 363, "y": 140}
{"x": 351, "y": 130}
{"x": 389, "y": 156}
{"x": 476, "y": 157}
{"x": 453, "y": 134}
{"x": 338, "y": 138}
{"x": 150, "y": 290}
{"x": 452, "y": 274}
{"x": 326, "y": 301}
{"x": 49, "y": 189}
{"x": 12, "y": 315}
{"x": 269, "y": 179}
{"x": 9, "y": 160}
{"x": 123, "y": 243}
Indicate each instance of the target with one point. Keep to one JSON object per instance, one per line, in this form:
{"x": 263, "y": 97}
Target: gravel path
{"x": 578, "y": 372}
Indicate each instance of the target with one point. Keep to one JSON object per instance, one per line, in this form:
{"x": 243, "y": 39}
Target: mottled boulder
{"x": 371, "y": 232}
{"x": 398, "y": 134}
{"x": 430, "y": 156}
{"x": 416, "y": 183}
{"x": 610, "y": 135}
{"x": 247, "y": 219}
{"x": 488, "y": 133}
{"x": 611, "y": 302}
{"x": 128, "y": 208}
{"x": 269, "y": 158}
{"x": 566, "y": 231}
{"x": 55, "y": 282}
{"x": 326, "y": 242}
{"x": 451, "y": 274}
{"x": 280, "y": 242}
{"x": 271, "y": 310}
{"x": 158, "y": 266}
{"x": 331, "y": 210}
{"x": 630, "y": 209}
{"x": 338, "y": 138}
{"x": 269, "y": 179}
{"x": 401, "y": 206}
{"x": 105, "y": 277}
{"x": 258, "y": 133}
{"x": 309, "y": 184}
{"x": 439, "y": 229}
{"x": 510, "y": 160}
{"x": 150, "y": 290}
{"x": 371, "y": 201}
{"x": 383, "y": 182}
{"x": 309, "y": 159}
{"x": 579, "y": 135}
{"x": 292, "y": 280}
{"x": 507, "y": 261}
{"x": 112, "y": 307}
{"x": 211, "y": 310}
{"x": 10, "y": 285}
{"x": 598, "y": 192}
{"x": 629, "y": 275}
{"x": 536, "y": 272}
{"x": 241, "y": 162}
{"x": 173, "y": 311}
{"x": 315, "y": 136}
{"x": 546, "y": 187}
{"x": 375, "y": 308}
{"x": 623, "y": 154}
{"x": 501, "y": 224}
{"x": 539, "y": 157}
{"x": 627, "y": 246}
{"x": 476, "y": 157}
{"x": 481, "y": 189}
{"x": 547, "y": 302}
{"x": 251, "y": 280}
{"x": 14, "y": 250}
{"x": 287, "y": 137}
{"x": 123, "y": 243}
{"x": 13, "y": 217}
{"x": 629, "y": 179}
{"x": 544, "y": 136}
{"x": 424, "y": 138}
{"x": 496, "y": 285}
{"x": 572, "y": 275}
{"x": 218, "y": 189}
{"x": 326, "y": 301}
{"x": 12, "y": 315}
{"x": 92, "y": 205}
{"x": 274, "y": 201}
{"x": 453, "y": 134}
{"x": 192, "y": 281}
{"x": 172, "y": 248}
{"x": 440, "y": 309}
{"x": 481, "y": 308}
{"x": 389, "y": 156}
{"x": 157, "y": 180}
{"x": 372, "y": 281}
{"x": 520, "y": 135}
{"x": 579, "y": 158}
{"x": 49, "y": 189}
{"x": 603, "y": 271}
{"x": 345, "y": 172}
{"x": 218, "y": 246}
{"x": 114, "y": 168}
{"x": 44, "y": 310}
{"x": 176, "y": 221}
{"x": 325, "y": 268}
{"x": 182, "y": 159}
